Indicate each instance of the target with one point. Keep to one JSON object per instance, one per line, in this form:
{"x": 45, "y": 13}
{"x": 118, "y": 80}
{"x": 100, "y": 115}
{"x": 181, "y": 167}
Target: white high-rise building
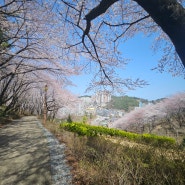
{"x": 102, "y": 98}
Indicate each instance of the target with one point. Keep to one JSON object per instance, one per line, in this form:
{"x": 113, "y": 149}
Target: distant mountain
{"x": 125, "y": 103}
{"x": 157, "y": 101}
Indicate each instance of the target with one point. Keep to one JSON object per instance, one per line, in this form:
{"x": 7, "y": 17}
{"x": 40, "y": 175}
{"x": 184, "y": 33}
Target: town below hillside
{"x": 162, "y": 117}
{"x": 103, "y": 108}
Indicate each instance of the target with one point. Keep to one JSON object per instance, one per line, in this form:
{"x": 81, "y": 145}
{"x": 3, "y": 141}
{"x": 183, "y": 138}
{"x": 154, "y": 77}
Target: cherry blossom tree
{"x": 175, "y": 110}
{"x": 32, "y": 102}
{"x": 169, "y": 113}
{"x": 58, "y": 98}
{"x": 51, "y": 40}
{"x": 13, "y": 90}
{"x": 31, "y": 53}
{"x": 33, "y": 38}
{"x": 131, "y": 121}
{"x": 70, "y": 31}
{"x": 98, "y": 27}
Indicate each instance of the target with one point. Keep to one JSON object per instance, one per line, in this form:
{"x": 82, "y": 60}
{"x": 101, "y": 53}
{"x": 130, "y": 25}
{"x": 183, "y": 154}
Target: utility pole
{"x": 45, "y": 103}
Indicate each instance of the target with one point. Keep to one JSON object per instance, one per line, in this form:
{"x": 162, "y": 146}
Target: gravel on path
{"x": 31, "y": 155}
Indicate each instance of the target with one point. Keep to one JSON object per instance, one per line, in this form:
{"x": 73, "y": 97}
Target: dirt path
{"x": 24, "y": 155}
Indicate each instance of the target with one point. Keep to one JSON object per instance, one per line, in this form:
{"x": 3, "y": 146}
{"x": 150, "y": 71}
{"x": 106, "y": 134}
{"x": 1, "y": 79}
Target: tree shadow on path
{"x": 24, "y": 155}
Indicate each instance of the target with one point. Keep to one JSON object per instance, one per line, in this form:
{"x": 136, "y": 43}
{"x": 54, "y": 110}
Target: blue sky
{"x": 143, "y": 59}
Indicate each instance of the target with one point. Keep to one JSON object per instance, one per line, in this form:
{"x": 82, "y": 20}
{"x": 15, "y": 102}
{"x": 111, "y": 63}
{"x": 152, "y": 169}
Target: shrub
{"x": 89, "y": 130}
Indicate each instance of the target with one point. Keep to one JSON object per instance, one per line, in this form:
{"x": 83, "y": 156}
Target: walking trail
{"x": 25, "y": 155}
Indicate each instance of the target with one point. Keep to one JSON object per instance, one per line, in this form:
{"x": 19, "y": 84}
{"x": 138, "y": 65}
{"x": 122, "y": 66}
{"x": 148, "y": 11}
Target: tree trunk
{"x": 170, "y": 16}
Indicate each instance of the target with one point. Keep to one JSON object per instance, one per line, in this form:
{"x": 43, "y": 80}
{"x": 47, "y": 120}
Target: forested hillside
{"x": 125, "y": 102}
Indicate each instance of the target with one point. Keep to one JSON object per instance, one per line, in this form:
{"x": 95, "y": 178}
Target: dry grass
{"x": 104, "y": 161}
{"x": 170, "y": 153}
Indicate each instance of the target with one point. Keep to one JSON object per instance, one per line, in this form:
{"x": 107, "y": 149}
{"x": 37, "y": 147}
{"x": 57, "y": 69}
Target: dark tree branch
{"x": 95, "y": 12}
{"x": 127, "y": 23}
{"x": 70, "y": 5}
{"x": 80, "y": 14}
{"x": 100, "y": 9}
{"x": 130, "y": 25}
{"x": 96, "y": 57}
{"x": 170, "y": 16}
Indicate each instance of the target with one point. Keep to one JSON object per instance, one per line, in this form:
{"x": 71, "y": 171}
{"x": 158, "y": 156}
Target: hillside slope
{"x": 125, "y": 103}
